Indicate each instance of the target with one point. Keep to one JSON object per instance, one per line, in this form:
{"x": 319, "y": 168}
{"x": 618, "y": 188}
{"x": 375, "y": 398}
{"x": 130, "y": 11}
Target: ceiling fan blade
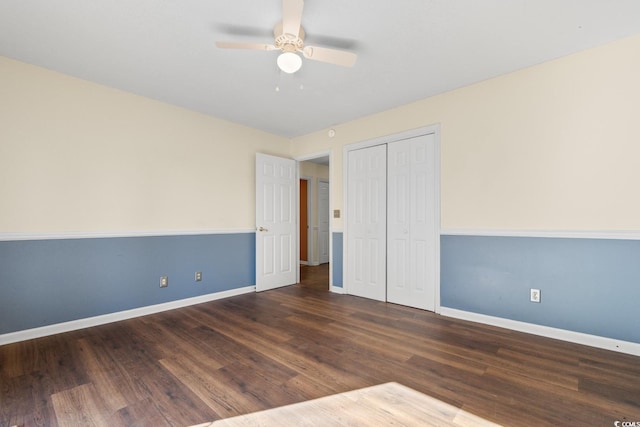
{"x": 332, "y": 56}
{"x": 242, "y": 45}
{"x": 244, "y": 31}
{"x": 292, "y": 16}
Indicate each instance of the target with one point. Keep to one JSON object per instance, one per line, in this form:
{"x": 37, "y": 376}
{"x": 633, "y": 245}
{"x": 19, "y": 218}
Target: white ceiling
{"x": 407, "y": 49}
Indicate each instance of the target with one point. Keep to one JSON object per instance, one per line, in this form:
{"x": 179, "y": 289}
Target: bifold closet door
{"x": 411, "y": 225}
{"x": 366, "y": 222}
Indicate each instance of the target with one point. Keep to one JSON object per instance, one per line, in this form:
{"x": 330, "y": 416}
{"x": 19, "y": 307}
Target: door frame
{"x": 309, "y": 180}
{"x": 408, "y": 134}
{"x": 318, "y": 212}
{"x": 304, "y": 159}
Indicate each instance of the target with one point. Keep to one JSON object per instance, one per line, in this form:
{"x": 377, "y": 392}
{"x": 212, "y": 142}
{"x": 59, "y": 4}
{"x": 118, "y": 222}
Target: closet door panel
{"x": 366, "y": 222}
{"x": 411, "y": 223}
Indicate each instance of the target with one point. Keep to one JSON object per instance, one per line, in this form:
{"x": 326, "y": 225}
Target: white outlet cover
{"x": 535, "y": 295}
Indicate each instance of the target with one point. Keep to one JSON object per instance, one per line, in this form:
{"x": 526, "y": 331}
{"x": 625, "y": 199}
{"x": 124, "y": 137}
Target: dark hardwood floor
{"x": 316, "y": 277}
{"x": 264, "y": 350}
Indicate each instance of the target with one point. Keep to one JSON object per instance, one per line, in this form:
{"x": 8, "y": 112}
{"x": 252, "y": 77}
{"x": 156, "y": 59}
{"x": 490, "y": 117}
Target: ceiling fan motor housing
{"x": 288, "y": 42}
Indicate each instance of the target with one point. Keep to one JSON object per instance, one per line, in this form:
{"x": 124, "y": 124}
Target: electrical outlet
{"x": 164, "y": 281}
{"x": 535, "y": 295}
{"x": 198, "y": 276}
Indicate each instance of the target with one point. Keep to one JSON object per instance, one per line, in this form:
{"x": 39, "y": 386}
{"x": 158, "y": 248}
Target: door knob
{"x": 262, "y": 229}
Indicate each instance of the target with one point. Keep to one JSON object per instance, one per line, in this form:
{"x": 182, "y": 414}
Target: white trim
{"x": 319, "y": 154}
{"x": 316, "y": 228}
{"x": 115, "y": 317}
{"x": 337, "y": 289}
{"x": 567, "y": 234}
{"x": 310, "y": 190}
{"x": 546, "y": 331}
{"x": 438, "y": 210}
{"x": 309, "y": 263}
{"x": 112, "y": 234}
{"x": 394, "y": 137}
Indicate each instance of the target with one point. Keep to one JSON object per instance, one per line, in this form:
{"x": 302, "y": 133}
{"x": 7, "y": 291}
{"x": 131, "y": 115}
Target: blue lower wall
{"x": 337, "y": 259}
{"x": 44, "y": 282}
{"x": 587, "y": 285}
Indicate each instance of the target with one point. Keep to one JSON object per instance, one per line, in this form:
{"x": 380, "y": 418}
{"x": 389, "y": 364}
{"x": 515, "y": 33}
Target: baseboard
{"x": 115, "y": 317}
{"x": 546, "y": 331}
{"x": 337, "y": 289}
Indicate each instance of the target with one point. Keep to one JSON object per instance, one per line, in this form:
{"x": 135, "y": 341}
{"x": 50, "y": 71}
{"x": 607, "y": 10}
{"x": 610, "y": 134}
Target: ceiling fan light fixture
{"x": 289, "y": 62}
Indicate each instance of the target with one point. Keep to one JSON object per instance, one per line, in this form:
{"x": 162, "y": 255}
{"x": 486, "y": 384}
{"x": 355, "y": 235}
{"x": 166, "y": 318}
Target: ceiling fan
{"x": 289, "y": 39}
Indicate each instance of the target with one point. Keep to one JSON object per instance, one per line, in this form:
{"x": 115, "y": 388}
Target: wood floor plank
{"x": 217, "y": 394}
{"x": 173, "y": 399}
{"x": 548, "y": 403}
{"x": 263, "y": 350}
{"x": 142, "y": 413}
{"x": 286, "y": 356}
{"x": 104, "y": 376}
{"x": 16, "y": 405}
{"x": 81, "y": 406}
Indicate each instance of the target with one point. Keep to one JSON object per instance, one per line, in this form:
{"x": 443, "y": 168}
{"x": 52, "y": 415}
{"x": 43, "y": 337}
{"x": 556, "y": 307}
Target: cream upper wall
{"x": 551, "y": 147}
{"x": 77, "y": 156}
{"x": 314, "y": 170}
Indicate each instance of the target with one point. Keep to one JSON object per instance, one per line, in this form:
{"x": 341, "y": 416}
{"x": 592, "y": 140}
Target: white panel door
{"x": 275, "y": 222}
{"x": 366, "y": 223}
{"x": 411, "y": 223}
{"x": 323, "y": 221}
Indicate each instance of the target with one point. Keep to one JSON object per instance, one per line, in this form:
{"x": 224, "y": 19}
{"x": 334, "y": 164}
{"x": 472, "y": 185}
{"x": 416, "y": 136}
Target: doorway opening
{"x": 315, "y": 276}
{"x": 314, "y": 221}
{"x": 304, "y": 221}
